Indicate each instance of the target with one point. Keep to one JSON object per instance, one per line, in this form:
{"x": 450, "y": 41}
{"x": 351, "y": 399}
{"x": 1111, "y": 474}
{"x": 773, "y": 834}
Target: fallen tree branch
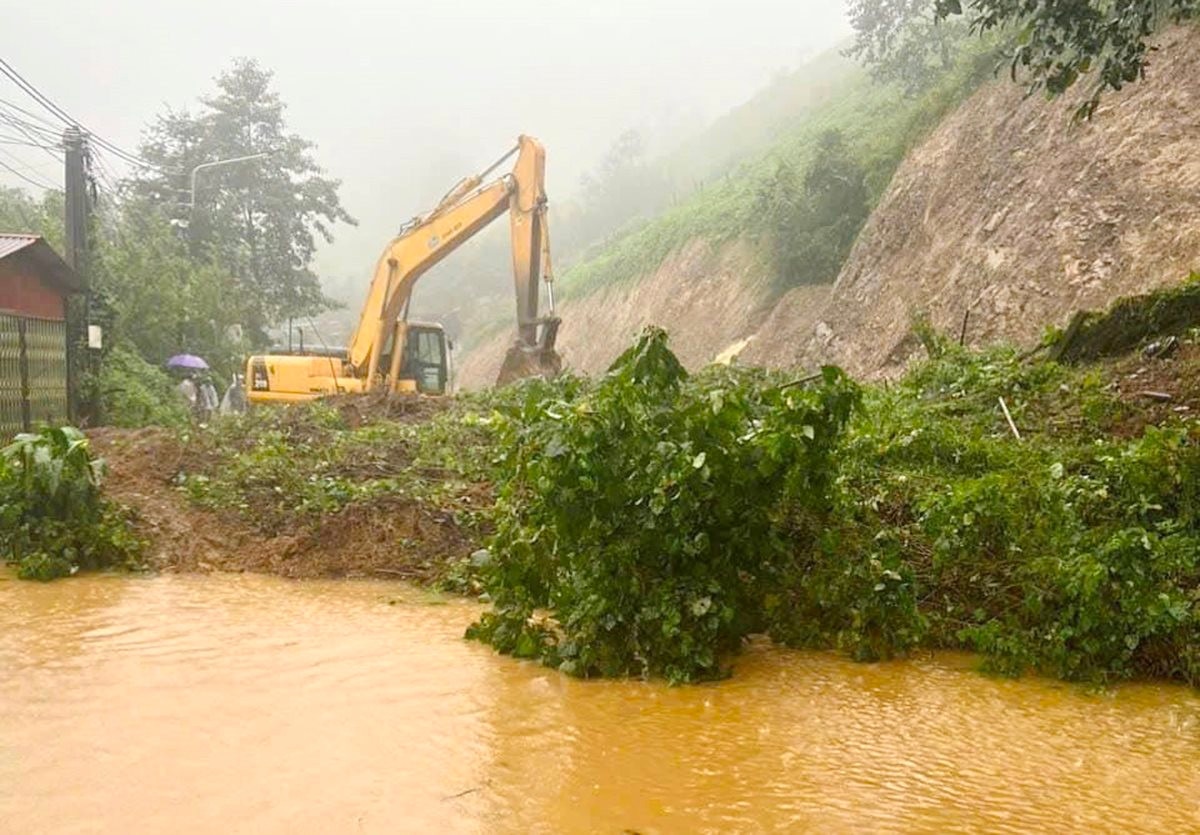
{"x": 1160, "y": 396}
{"x": 1008, "y": 417}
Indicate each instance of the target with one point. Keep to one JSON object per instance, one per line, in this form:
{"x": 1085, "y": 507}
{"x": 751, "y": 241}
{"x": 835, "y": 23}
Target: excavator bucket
{"x": 521, "y": 362}
{"x": 540, "y": 360}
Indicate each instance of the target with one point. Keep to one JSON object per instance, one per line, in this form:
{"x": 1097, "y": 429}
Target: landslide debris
{"x": 1044, "y": 515}
{"x": 350, "y": 487}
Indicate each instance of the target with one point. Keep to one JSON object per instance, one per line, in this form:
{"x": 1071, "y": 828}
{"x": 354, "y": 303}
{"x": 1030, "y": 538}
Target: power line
{"x": 107, "y": 180}
{"x": 34, "y": 93}
{"x": 28, "y": 114}
{"x": 28, "y": 126}
{"x": 16, "y": 140}
{"x": 14, "y": 76}
{"x": 30, "y": 180}
{"x": 34, "y": 138}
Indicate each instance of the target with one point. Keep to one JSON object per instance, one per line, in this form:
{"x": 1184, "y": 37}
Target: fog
{"x": 404, "y": 98}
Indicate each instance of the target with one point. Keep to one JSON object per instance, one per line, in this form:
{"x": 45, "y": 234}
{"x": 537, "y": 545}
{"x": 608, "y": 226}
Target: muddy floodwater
{"x": 251, "y": 704}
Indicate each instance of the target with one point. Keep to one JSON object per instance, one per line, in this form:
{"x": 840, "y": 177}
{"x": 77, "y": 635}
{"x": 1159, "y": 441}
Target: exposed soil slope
{"x": 707, "y": 297}
{"x": 1008, "y": 209}
{"x": 1012, "y": 211}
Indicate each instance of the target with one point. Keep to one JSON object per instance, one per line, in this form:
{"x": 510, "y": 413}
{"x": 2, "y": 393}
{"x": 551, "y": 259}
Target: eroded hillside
{"x": 1015, "y": 213}
{"x": 707, "y": 297}
{"x": 1007, "y": 209}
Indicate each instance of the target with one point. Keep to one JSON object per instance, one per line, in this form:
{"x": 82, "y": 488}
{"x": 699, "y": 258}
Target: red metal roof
{"x": 10, "y": 243}
{"x": 49, "y": 263}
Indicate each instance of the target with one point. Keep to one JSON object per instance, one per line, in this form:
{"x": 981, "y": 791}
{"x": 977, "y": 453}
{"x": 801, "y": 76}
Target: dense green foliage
{"x": 157, "y": 298}
{"x": 44, "y": 216}
{"x": 637, "y": 532}
{"x": 1071, "y": 551}
{"x": 1057, "y": 43}
{"x": 259, "y": 220}
{"x": 53, "y": 520}
{"x": 810, "y": 222}
{"x": 643, "y": 513}
{"x": 134, "y": 393}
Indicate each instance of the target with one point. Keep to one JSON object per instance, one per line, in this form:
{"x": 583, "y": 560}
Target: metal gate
{"x": 33, "y": 373}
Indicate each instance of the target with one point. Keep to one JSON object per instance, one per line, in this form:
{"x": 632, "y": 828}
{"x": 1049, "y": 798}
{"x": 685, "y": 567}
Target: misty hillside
{"x": 1012, "y": 212}
{"x": 1005, "y": 206}
{"x": 711, "y": 258}
{"x": 471, "y": 292}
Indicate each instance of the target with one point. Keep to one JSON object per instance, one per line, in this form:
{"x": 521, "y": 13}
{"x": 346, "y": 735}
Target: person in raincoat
{"x": 207, "y": 400}
{"x": 234, "y": 401}
{"x": 188, "y": 393}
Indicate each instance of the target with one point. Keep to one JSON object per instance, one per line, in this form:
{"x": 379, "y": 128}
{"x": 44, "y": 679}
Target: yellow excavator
{"x": 389, "y": 352}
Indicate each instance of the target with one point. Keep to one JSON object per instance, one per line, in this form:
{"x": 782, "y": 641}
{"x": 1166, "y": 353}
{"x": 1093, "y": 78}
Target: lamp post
{"x": 213, "y": 164}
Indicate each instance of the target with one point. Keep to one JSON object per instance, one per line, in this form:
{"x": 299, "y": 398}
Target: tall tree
{"x": 154, "y": 296}
{"x": 19, "y": 212}
{"x": 1055, "y": 43}
{"x": 259, "y": 219}
{"x": 904, "y": 41}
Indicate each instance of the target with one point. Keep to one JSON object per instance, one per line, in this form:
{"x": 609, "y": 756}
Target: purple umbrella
{"x": 187, "y": 361}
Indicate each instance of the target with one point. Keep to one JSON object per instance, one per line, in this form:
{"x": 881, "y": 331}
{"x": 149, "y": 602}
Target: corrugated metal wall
{"x": 33, "y": 373}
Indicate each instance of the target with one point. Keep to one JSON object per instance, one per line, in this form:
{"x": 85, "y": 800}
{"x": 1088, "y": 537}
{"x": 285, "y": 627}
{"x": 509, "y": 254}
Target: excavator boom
{"x": 421, "y": 243}
{"x": 426, "y": 240}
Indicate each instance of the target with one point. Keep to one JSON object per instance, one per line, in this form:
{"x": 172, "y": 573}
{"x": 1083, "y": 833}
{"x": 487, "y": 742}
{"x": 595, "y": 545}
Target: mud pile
{"x": 386, "y": 536}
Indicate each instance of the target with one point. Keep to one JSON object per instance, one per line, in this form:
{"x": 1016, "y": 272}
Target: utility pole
{"x": 75, "y": 225}
{"x": 76, "y": 210}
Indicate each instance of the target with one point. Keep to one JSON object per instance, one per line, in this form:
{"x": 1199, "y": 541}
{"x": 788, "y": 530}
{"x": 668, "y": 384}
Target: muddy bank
{"x": 387, "y": 537}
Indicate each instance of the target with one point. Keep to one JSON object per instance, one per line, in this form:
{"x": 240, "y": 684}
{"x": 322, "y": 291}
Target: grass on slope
{"x": 878, "y": 123}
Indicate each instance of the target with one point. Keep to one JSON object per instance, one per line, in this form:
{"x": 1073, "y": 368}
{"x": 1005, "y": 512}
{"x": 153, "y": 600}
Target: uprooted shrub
{"x": 638, "y": 521}
{"x": 53, "y": 519}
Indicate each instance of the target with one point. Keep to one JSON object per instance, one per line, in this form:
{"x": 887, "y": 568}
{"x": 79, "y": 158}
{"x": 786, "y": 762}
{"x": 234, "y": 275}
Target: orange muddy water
{"x": 251, "y": 704}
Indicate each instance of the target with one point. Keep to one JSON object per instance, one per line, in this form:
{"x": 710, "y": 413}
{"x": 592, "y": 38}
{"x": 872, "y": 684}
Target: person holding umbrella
{"x": 192, "y": 394}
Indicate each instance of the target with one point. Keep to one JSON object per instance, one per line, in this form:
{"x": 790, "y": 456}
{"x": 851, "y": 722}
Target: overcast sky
{"x": 403, "y": 97}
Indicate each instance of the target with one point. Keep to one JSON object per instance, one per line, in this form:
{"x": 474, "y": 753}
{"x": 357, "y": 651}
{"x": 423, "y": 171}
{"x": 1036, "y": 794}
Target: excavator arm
{"x": 426, "y": 240}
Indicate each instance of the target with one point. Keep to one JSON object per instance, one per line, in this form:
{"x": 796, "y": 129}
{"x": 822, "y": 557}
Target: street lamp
{"x": 214, "y": 164}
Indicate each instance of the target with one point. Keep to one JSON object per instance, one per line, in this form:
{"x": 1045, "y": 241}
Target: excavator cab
{"x": 423, "y": 366}
{"x": 424, "y": 363}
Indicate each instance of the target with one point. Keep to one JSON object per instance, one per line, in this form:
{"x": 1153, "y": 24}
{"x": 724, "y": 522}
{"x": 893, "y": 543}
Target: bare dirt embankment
{"x": 1014, "y": 212}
